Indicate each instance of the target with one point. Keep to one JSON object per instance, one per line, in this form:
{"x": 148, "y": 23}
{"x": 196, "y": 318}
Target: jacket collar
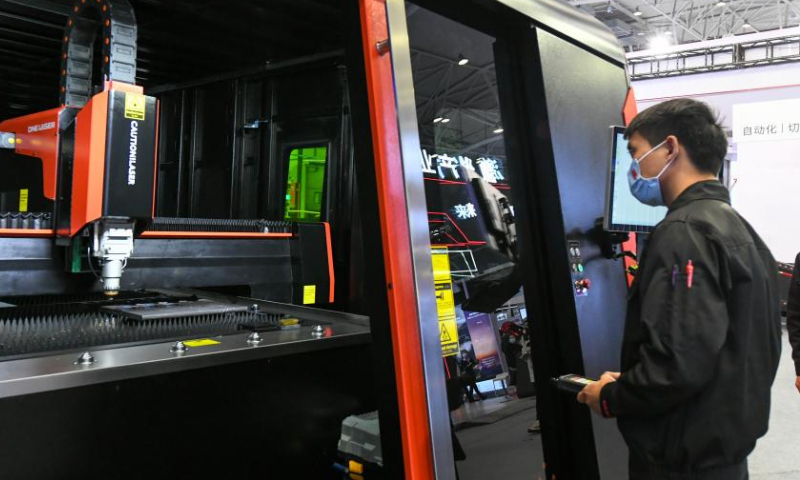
{"x": 706, "y": 190}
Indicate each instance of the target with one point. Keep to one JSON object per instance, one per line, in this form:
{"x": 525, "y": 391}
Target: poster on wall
{"x": 484, "y": 344}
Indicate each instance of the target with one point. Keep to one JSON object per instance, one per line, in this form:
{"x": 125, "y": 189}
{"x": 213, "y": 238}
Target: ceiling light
{"x": 437, "y": 119}
{"x": 721, "y": 4}
{"x": 667, "y": 33}
{"x": 745, "y": 25}
{"x": 498, "y": 130}
{"x": 660, "y": 43}
{"x": 445, "y": 120}
{"x": 462, "y": 60}
{"x": 637, "y": 12}
{"x": 609, "y": 9}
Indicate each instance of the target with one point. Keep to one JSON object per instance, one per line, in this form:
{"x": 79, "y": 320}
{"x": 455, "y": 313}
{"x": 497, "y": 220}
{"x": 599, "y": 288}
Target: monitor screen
{"x": 623, "y": 212}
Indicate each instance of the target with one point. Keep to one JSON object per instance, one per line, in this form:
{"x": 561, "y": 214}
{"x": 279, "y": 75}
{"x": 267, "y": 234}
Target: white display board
{"x": 766, "y": 121}
{"x": 766, "y": 170}
{"x": 766, "y": 180}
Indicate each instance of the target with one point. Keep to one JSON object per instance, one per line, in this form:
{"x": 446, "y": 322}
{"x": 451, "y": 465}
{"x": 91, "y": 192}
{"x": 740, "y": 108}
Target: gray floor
{"x": 498, "y": 446}
{"x": 777, "y": 455}
{"x": 502, "y": 450}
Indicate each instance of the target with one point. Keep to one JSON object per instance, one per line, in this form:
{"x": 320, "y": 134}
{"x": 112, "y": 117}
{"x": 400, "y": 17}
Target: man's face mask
{"x": 647, "y": 190}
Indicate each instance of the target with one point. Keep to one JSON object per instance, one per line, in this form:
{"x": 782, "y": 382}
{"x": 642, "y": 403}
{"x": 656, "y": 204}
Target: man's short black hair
{"x": 695, "y": 125}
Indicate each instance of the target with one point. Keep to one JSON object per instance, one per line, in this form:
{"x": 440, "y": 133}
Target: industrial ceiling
{"x": 179, "y": 41}
{"x": 644, "y": 24}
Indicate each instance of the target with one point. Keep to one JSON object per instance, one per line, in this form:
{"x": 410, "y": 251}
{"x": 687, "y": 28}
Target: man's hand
{"x": 590, "y": 395}
{"x": 797, "y": 383}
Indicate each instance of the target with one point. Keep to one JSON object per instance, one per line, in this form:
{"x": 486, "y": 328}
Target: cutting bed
{"x": 31, "y": 326}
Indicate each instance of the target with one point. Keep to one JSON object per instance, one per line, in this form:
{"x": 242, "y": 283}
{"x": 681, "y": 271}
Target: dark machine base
{"x": 272, "y": 418}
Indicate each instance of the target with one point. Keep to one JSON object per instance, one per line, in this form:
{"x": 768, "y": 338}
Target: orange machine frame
{"x": 37, "y": 136}
{"x": 407, "y": 344}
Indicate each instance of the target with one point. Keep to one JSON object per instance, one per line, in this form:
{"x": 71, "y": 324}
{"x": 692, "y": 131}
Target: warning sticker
{"x": 203, "y": 342}
{"x": 445, "y": 303}
{"x": 441, "y": 265}
{"x": 134, "y": 106}
{"x": 448, "y": 334}
{"x": 309, "y": 294}
{"x": 23, "y": 200}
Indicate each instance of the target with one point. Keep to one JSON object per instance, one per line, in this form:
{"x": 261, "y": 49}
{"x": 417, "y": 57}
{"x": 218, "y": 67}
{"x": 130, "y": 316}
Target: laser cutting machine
{"x": 77, "y": 217}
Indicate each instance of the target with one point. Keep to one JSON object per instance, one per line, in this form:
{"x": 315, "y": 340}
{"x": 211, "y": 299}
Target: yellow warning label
{"x": 134, "y": 106}
{"x": 203, "y": 342}
{"x": 23, "y": 200}
{"x": 309, "y": 294}
{"x": 445, "y": 303}
{"x": 441, "y": 264}
{"x": 448, "y": 333}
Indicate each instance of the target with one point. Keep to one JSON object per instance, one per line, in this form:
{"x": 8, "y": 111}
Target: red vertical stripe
{"x": 629, "y": 111}
{"x": 403, "y": 318}
{"x": 331, "y": 273}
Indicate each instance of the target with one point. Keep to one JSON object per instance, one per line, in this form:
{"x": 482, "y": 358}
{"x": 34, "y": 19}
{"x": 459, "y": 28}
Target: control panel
{"x": 580, "y": 282}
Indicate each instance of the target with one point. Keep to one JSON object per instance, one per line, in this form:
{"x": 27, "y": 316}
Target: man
{"x": 793, "y": 319}
{"x": 469, "y": 376}
{"x": 702, "y": 336}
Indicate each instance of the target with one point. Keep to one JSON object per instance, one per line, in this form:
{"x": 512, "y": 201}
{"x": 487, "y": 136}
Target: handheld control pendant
{"x": 571, "y": 383}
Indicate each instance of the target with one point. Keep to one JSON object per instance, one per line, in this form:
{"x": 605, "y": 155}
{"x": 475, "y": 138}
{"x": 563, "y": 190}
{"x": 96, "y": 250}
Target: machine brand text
{"x": 133, "y": 151}
{"x": 41, "y": 127}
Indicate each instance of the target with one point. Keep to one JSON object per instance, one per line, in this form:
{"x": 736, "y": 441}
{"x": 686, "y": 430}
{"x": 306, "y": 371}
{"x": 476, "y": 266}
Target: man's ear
{"x": 673, "y": 146}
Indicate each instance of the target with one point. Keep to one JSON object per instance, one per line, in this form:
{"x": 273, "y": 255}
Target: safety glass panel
{"x": 481, "y": 308}
{"x": 305, "y": 184}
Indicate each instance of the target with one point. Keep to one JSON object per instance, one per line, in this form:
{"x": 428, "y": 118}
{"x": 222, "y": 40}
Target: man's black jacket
{"x": 698, "y": 363}
{"x": 793, "y": 315}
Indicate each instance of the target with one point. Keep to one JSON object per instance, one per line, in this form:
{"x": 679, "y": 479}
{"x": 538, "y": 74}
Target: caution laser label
{"x": 134, "y": 106}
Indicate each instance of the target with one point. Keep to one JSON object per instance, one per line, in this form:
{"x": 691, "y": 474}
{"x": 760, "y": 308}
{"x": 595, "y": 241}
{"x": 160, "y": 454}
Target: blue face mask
{"x": 647, "y": 190}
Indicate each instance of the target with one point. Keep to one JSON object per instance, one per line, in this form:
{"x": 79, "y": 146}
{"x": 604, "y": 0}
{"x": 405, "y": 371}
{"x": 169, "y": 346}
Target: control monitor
{"x": 623, "y": 212}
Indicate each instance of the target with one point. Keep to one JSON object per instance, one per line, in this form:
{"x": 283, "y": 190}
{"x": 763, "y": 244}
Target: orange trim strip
{"x": 629, "y": 110}
{"x": 228, "y": 235}
{"x": 403, "y": 317}
{"x": 26, "y": 232}
{"x": 331, "y": 273}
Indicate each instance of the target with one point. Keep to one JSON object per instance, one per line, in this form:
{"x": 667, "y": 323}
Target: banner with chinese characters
{"x": 764, "y": 121}
{"x": 445, "y": 303}
{"x": 445, "y": 167}
{"x": 453, "y": 208}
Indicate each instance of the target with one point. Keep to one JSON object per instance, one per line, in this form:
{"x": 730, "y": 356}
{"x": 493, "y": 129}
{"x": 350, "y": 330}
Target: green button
{"x": 580, "y": 267}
